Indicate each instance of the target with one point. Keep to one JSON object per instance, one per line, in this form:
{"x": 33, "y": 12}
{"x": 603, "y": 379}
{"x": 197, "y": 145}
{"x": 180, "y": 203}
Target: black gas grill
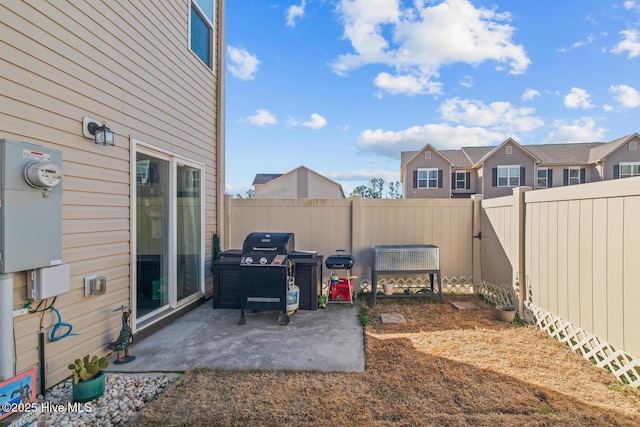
{"x": 265, "y": 271}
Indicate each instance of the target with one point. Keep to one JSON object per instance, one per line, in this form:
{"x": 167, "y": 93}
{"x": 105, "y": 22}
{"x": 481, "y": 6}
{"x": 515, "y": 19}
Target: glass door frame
{"x": 173, "y": 159}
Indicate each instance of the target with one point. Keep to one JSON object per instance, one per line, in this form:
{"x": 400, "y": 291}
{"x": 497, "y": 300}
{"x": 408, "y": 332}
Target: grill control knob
{"x": 248, "y": 260}
{"x": 263, "y": 260}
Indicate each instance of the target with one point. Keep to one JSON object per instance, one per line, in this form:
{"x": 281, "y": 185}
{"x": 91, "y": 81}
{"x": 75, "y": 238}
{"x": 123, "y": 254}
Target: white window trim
{"x": 508, "y": 167}
{"x": 203, "y": 15}
{"x": 546, "y": 177}
{"x": 464, "y": 180}
{"x": 631, "y": 164}
{"x": 174, "y": 159}
{"x": 569, "y": 176}
{"x": 427, "y": 170}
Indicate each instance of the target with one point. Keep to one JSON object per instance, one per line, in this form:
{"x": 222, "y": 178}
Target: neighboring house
{"x": 142, "y": 212}
{"x": 494, "y": 171}
{"x": 300, "y": 183}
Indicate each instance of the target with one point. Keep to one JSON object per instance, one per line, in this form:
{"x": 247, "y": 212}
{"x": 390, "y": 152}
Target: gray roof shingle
{"x": 263, "y": 178}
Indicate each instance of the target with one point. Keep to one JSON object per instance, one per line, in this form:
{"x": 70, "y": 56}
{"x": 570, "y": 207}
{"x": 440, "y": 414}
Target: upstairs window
{"x": 628, "y": 169}
{"x": 461, "y": 180}
{"x": 201, "y": 30}
{"x": 543, "y": 178}
{"x": 509, "y": 176}
{"x": 574, "y": 176}
{"x": 427, "y": 178}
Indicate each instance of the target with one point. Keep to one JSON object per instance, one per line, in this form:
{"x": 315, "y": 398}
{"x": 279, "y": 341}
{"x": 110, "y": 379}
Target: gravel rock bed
{"x": 124, "y": 397}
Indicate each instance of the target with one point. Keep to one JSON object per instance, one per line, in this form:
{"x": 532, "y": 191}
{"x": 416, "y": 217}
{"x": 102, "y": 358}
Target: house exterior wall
{"x": 472, "y": 181}
{"x": 300, "y": 183}
{"x": 320, "y": 187}
{"x": 409, "y": 191}
{"x": 129, "y": 64}
{"x": 283, "y": 187}
{"x": 500, "y": 158}
{"x": 622, "y": 154}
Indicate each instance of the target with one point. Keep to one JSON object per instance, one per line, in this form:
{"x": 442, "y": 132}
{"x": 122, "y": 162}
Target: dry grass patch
{"x": 444, "y": 367}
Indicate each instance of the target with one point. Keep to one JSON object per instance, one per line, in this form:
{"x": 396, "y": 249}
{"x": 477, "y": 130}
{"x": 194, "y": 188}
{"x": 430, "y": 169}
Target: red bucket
{"x": 339, "y": 291}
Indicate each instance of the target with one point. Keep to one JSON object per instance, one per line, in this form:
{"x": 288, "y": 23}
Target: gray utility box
{"x": 31, "y": 206}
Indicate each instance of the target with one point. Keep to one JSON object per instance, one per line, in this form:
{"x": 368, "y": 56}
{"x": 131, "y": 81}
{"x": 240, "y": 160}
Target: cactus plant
{"x": 87, "y": 367}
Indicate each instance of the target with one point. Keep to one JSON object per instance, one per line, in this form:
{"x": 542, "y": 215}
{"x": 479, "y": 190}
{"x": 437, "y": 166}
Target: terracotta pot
{"x": 506, "y": 313}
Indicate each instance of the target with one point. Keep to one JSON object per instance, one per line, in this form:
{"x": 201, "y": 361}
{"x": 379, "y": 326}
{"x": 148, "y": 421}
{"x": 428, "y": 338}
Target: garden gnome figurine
{"x": 124, "y": 339}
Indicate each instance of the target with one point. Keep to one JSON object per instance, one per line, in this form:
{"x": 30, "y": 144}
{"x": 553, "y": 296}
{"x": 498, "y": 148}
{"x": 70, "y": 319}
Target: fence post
{"x": 225, "y": 233}
{"x": 476, "y": 245}
{"x": 519, "y": 219}
{"x": 356, "y": 237}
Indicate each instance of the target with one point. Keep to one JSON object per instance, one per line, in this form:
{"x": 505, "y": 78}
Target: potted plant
{"x": 88, "y": 377}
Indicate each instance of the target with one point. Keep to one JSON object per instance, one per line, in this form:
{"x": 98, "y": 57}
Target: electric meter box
{"x": 31, "y": 206}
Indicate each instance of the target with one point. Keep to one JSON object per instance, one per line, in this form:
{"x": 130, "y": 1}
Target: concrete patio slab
{"x": 328, "y": 339}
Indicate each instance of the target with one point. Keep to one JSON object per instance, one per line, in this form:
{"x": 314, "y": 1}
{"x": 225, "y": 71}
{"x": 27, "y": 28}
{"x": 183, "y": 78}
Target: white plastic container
{"x": 293, "y": 298}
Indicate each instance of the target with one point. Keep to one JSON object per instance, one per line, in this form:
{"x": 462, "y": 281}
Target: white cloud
{"x": 578, "y": 98}
{"x": 407, "y": 84}
{"x": 630, "y": 44}
{"x": 417, "y": 41}
{"x": 442, "y": 135}
{"x": 498, "y": 116}
{"x": 529, "y": 94}
{"x": 631, "y": 5}
{"x": 294, "y": 12}
{"x": 316, "y": 121}
{"x": 241, "y": 63}
{"x": 467, "y": 81}
{"x": 580, "y": 130}
{"x": 262, "y": 117}
{"x": 627, "y": 96}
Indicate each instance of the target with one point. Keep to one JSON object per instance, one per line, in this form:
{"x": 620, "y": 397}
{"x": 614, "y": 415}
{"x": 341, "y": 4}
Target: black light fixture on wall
{"x": 101, "y": 134}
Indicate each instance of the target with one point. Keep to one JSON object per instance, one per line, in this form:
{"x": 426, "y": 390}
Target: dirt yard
{"x": 443, "y": 367}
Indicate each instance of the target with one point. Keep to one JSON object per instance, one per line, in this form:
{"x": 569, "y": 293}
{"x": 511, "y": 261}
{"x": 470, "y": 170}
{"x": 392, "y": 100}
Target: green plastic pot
{"x": 89, "y": 389}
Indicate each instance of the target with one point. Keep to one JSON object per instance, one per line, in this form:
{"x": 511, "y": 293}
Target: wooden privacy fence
{"x": 571, "y": 254}
{"x": 355, "y": 225}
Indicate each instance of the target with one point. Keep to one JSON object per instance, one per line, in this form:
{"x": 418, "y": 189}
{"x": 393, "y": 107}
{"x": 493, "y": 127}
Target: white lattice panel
{"x": 625, "y": 367}
{"x": 497, "y": 294}
{"x": 454, "y": 284}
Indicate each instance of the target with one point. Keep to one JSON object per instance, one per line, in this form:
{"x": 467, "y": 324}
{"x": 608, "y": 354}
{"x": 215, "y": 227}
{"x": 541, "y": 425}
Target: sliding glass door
{"x": 169, "y": 243}
{"x": 189, "y": 232}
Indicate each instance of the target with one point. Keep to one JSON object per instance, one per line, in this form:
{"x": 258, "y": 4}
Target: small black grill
{"x": 339, "y": 261}
{"x": 265, "y": 271}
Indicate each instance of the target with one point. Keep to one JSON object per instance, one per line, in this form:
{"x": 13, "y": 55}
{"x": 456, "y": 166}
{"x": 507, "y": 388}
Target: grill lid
{"x": 339, "y": 261}
{"x": 268, "y": 243}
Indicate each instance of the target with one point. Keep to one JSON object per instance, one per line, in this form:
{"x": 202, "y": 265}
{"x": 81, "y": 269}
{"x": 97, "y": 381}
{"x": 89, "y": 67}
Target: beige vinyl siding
{"x": 129, "y": 64}
{"x": 499, "y": 158}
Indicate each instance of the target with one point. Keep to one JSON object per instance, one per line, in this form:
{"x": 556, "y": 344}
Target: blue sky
{"x": 343, "y": 86}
